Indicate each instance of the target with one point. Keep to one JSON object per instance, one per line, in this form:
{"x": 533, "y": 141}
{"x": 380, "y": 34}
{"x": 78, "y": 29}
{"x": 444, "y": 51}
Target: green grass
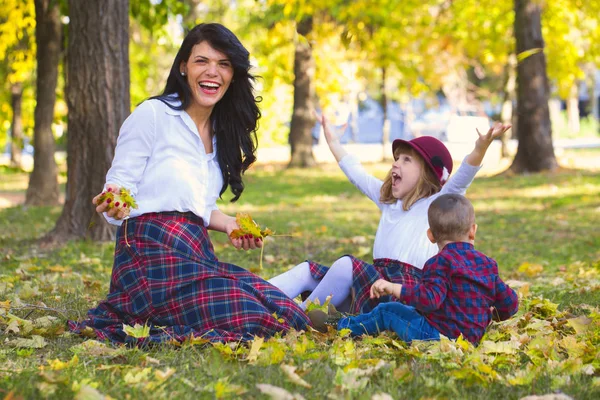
{"x": 542, "y": 230}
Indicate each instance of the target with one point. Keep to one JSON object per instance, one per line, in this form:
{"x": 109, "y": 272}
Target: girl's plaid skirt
{"x": 167, "y": 277}
{"x": 364, "y": 275}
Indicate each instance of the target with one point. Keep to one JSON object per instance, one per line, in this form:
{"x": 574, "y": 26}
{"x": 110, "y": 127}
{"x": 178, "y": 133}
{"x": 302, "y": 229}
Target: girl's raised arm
{"x": 332, "y": 139}
{"x": 483, "y": 142}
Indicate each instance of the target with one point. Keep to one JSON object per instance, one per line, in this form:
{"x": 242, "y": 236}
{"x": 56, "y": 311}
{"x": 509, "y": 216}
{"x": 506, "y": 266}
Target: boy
{"x": 459, "y": 290}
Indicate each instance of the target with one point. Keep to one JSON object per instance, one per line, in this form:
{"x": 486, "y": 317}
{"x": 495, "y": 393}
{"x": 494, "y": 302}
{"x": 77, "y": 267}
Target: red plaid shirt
{"x": 456, "y": 291}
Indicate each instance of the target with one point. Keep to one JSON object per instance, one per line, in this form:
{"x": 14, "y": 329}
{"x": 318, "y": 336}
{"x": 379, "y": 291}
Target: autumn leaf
{"x": 276, "y": 392}
{"x": 124, "y": 197}
{"x": 247, "y": 226}
{"x": 254, "y": 349}
{"x": 528, "y": 53}
{"x": 290, "y": 372}
{"x": 137, "y": 331}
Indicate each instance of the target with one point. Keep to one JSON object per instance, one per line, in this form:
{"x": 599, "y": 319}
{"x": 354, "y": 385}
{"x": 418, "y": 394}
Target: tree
{"x": 43, "y": 181}
{"x": 98, "y": 98}
{"x": 535, "y": 151}
{"x": 302, "y": 118}
{"x": 17, "y": 25}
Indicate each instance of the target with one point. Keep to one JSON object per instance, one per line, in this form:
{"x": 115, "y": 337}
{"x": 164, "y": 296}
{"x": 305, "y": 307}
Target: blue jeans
{"x": 408, "y": 324}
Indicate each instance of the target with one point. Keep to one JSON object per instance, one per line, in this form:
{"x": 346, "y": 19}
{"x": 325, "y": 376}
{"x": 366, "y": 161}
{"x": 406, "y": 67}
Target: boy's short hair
{"x": 450, "y": 217}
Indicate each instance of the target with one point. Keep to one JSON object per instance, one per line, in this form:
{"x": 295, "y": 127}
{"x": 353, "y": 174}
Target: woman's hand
{"x": 118, "y": 211}
{"x": 247, "y": 242}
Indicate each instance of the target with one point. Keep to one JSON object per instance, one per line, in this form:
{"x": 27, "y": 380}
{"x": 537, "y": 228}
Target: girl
{"x": 419, "y": 174}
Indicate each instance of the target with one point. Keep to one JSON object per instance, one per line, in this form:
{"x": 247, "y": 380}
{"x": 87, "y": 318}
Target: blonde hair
{"x": 427, "y": 185}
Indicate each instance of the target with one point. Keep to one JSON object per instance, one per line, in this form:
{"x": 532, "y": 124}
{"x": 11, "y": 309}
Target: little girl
{"x": 419, "y": 174}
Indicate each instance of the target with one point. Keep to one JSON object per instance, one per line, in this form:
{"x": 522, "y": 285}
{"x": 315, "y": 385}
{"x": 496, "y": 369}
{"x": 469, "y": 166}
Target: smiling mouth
{"x": 395, "y": 179}
{"x": 209, "y": 87}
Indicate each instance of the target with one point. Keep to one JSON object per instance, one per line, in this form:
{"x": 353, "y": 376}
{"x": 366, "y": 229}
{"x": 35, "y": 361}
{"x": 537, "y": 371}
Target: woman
{"x": 177, "y": 153}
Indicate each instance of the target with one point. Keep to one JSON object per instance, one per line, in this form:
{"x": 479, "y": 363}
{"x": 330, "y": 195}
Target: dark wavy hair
{"x": 235, "y": 117}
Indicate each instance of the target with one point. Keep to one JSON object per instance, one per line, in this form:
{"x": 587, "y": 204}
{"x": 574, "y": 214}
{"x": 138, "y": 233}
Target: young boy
{"x": 459, "y": 292}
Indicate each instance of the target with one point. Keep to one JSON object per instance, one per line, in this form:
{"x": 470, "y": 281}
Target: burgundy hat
{"x": 434, "y": 152}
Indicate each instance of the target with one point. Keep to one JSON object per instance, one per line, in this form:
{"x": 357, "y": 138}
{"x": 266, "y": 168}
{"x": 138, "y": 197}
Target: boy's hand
{"x": 381, "y": 287}
{"x": 495, "y": 315}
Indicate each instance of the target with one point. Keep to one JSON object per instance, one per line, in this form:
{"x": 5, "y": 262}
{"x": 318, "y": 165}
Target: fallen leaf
{"x": 277, "y": 393}
{"x": 254, "y": 350}
{"x": 290, "y": 372}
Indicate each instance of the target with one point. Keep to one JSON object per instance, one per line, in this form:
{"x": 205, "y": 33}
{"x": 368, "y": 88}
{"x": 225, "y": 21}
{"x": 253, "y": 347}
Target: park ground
{"x": 541, "y": 228}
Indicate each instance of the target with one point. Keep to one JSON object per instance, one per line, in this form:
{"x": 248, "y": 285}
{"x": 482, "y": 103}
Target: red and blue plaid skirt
{"x": 364, "y": 275}
{"x": 166, "y": 276}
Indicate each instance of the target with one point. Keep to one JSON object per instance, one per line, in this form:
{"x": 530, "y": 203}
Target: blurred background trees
{"x": 387, "y": 68}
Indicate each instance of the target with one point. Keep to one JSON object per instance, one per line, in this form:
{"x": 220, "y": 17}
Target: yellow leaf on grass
{"x": 164, "y": 375}
{"x": 87, "y": 392}
{"x": 290, "y": 372}
{"x": 276, "y": 392}
{"x": 580, "y": 324}
{"x": 36, "y": 342}
{"x": 489, "y": 347}
{"x": 530, "y": 269}
{"x": 254, "y": 349}
{"x": 57, "y": 365}
{"x": 137, "y": 331}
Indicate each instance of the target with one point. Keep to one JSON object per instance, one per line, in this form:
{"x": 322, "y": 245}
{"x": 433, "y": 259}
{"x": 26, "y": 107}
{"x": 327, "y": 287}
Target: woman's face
{"x": 209, "y": 73}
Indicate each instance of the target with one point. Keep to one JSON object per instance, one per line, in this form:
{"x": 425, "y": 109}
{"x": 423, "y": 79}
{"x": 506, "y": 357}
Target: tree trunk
{"x": 98, "y": 99}
{"x": 16, "y": 128}
{"x": 302, "y": 119}
{"x": 506, "y": 115}
{"x": 385, "y": 137}
{"x": 43, "y": 181}
{"x": 573, "y": 125}
{"x": 534, "y": 131}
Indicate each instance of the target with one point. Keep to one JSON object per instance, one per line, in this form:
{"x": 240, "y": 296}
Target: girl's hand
{"x": 247, "y": 242}
{"x": 482, "y": 143}
{"x": 332, "y": 138}
{"x": 118, "y": 211}
{"x": 496, "y": 131}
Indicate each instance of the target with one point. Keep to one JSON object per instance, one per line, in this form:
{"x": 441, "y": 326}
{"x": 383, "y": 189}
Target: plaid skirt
{"x": 166, "y": 276}
{"x": 364, "y": 275}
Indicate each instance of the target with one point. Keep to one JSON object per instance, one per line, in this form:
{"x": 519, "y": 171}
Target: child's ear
{"x": 430, "y": 236}
{"x": 472, "y": 232}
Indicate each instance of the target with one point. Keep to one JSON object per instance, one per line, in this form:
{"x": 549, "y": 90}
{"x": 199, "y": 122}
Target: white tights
{"x": 336, "y": 282}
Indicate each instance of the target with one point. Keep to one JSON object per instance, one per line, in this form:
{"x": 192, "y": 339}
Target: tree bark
{"x": 573, "y": 125}
{"x": 302, "y": 119}
{"x": 535, "y": 151}
{"x": 508, "y": 95}
{"x": 98, "y": 99}
{"x": 16, "y": 128}
{"x": 385, "y": 137}
{"x": 43, "y": 181}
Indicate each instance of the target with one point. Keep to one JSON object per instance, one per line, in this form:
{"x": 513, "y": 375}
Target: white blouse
{"x": 161, "y": 159}
{"x": 402, "y": 235}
